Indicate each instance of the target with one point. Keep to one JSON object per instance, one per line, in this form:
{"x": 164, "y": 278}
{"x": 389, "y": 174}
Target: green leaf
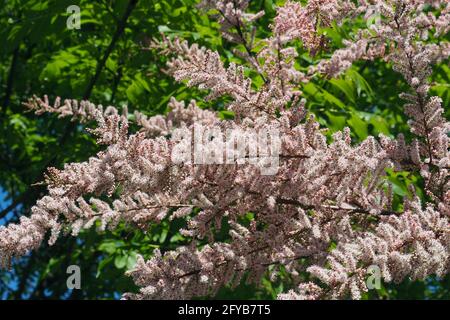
{"x": 359, "y": 126}
{"x": 176, "y": 238}
{"x": 109, "y": 247}
{"x": 346, "y": 87}
{"x": 102, "y": 265}
{"x": 226, "y": 114}
{"x": 334, "y": 32}
{"x": 120, "y": 261}
{"x": 336, "y": 121}
{"x": 163, "y": 236}
{"x": 163, "y": 29}
{"x": 131, "y": 260}
{"x": 269, "y": 7}
{"x": 380, "y": 125}
{"x": 137, "y": 89}
{"x": 333, "y": 100}
{"x": 361, "y": 84}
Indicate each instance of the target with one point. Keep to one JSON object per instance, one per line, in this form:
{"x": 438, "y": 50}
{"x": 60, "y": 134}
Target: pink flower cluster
{"x": 326, "y": 212}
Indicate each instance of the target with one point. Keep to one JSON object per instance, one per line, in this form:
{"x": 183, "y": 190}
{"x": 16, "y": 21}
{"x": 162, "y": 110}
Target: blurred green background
{"x": 106, "y": 61}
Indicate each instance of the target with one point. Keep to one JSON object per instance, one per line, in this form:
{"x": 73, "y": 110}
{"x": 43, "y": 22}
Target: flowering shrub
{"x": 324, "y": 217}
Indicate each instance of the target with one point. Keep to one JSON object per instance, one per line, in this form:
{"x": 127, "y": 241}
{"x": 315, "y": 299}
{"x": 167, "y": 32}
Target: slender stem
{"x": 101, "y": 64}
{"x": 244, "y": 41}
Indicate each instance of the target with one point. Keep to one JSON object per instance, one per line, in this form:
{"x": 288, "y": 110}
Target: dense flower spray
{"x": 327, "y": 210}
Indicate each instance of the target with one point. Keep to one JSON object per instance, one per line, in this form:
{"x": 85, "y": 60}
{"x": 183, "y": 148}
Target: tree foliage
{"x": 107, "y": 62}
